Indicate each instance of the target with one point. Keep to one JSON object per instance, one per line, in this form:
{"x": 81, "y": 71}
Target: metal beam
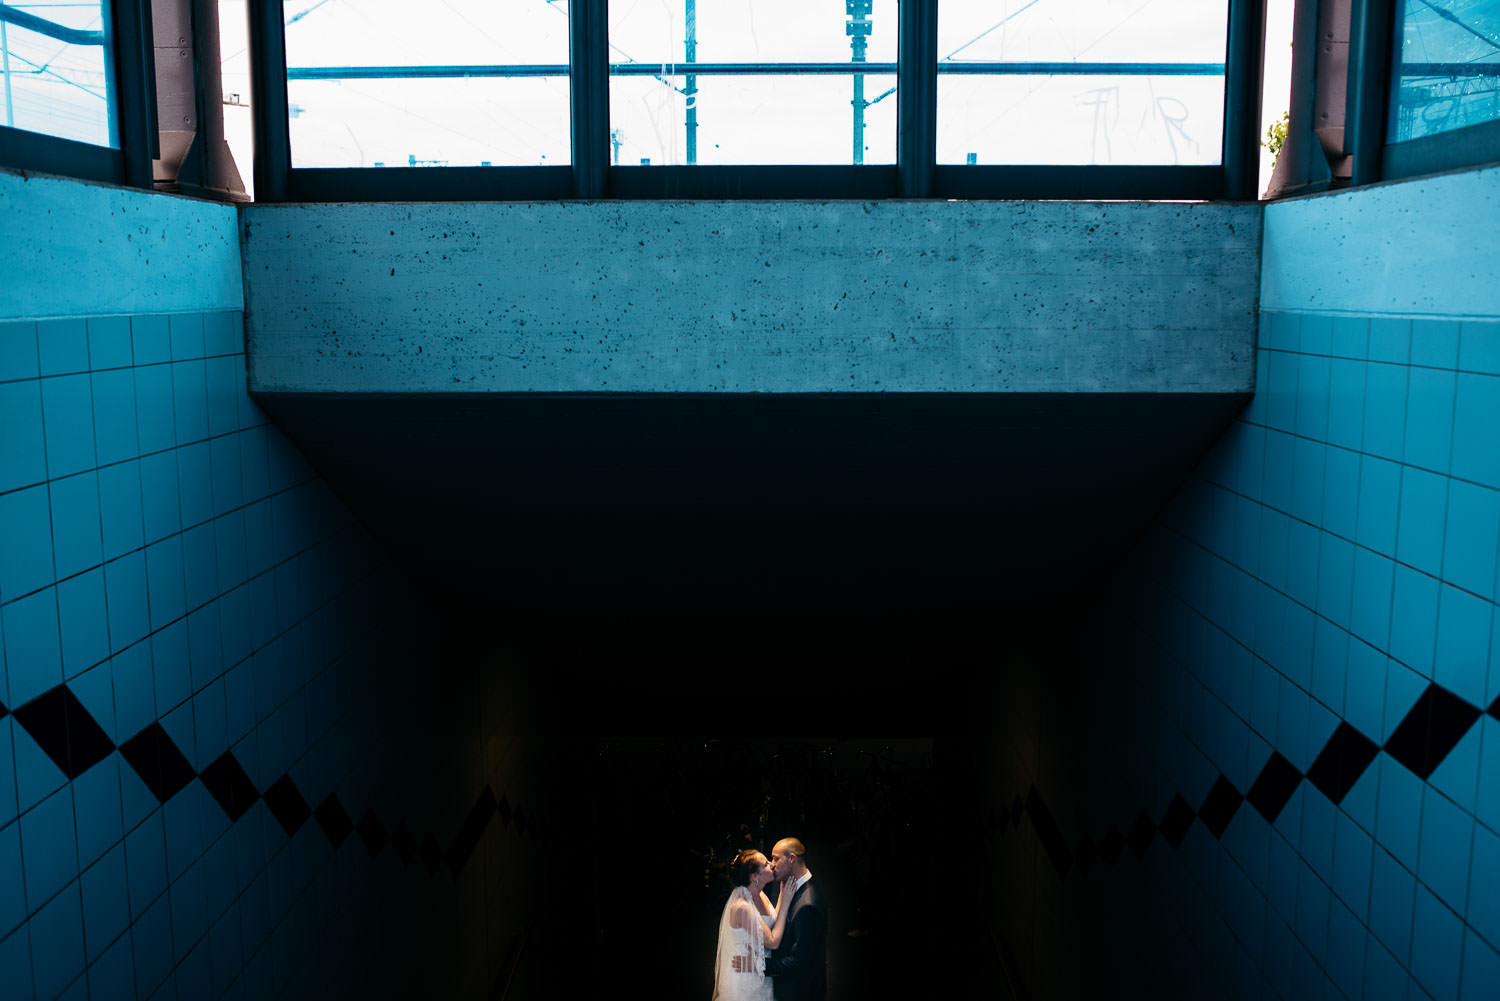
{"x": 588, "y": 56}
{"x": 1242, "y": 87}
{"x": 1370, "y": 84}
{"x": 916, "y": 98}
{"x": 135, "y": 90}
{"x": 273, "y": 157}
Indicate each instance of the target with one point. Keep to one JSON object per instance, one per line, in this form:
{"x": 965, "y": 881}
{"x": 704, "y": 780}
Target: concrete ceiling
{"x": 744, "y": 507}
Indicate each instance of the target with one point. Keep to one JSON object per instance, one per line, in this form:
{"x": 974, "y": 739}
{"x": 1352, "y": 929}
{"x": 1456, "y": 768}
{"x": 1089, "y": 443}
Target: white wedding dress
{"x": 742, "y": 933}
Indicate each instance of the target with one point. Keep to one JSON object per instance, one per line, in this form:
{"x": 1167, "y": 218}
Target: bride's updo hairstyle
{"x": 743, "y": 867}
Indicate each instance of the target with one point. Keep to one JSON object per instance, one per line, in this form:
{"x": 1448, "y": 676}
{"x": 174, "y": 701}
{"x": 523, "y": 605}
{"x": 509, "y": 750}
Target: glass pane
{"x": 1449, "y": 75}
{"x": 773, "y": 83}
{"x": 461, "y": 83}
{"x": 1082, "y": 82}
{"x": 751, "y": 120}
{"x": 1175, "y": 31}
{"x": 655, "y": 31}
{"x": 234, "y": 69}
{"x": 1100, "y": 120}
{"x": 56, "y": 70}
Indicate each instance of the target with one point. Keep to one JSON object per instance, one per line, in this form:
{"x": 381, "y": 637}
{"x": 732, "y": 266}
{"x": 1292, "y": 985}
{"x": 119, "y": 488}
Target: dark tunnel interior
{"x": 747, "y": 618}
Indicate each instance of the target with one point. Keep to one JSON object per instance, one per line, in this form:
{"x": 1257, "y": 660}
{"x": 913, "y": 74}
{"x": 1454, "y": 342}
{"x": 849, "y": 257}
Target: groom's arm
{"x": 809, "y": 928}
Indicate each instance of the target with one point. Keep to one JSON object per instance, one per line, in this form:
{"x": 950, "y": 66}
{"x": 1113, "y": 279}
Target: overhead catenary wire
{"x": 1449, "y": 16}
{"x": 999, "y": 24}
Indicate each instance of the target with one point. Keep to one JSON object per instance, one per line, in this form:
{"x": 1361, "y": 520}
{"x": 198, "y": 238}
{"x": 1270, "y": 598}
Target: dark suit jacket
{"x": 799, "y": 969}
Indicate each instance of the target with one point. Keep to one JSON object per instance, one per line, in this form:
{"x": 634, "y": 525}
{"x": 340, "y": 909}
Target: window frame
{"x": 1471, "y": 146}
{"x": 916, "y": 174}
{"x": 133, "y": 70}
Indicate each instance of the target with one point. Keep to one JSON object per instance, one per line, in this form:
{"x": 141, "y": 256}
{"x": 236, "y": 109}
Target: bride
{"x": 748, "y": 928}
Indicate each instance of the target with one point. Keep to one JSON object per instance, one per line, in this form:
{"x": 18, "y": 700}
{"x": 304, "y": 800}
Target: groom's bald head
{"x": 789, "y": 858}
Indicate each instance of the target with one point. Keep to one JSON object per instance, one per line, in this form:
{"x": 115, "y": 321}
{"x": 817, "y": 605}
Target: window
{"x": 757, "y": 98}
{"x": 736, "y": 98}
{"x": 1447, "y": 67}
{"x": 56, "y": 63}
{"x": 73, "y": 82}
{"x": 1088, "y": 82}
{"x": 1444, "y": 105}
{"x": 752, "y": 82}
{"x": 389, "y": 83}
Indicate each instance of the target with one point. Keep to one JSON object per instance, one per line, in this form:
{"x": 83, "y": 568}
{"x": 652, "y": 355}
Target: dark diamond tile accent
{"x": 158, "y": 762}
{"x": 64, "y": 729}
{"x": 471, "y": 831}
{"x": 1433, "y": 727}
{"x": 1085, "y": 854}
{"x": 504, "y": 810}
{"x": 1176, "y": 821}
{"x": 372, "y": 832}
{"x": 1493, "y": 710}
{"x": 4, "y": 712}
{"x": 1274, "y": 786}
{"x": 404, "y": 843}
{"x": 1219, "y": 806}
{"x": 231, "y": 788}
{"x": 1110, "y": 846}
{"x": 431, "y": 853}
{"x": 1053, "y": 843}
{"x": 287, "y": 805}
{"x": 334, "y": 820}
{"x": 1341, "y": 762}
{"x": 1141, "y": 833}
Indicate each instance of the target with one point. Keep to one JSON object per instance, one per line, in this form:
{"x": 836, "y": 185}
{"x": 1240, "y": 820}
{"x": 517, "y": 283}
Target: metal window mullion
{"x": 134, "y": 89}
{"x": 1371, "y": 61}
{"x": 1242, "y": 98}
{"x": 588, "y": 61}
{"x": 916, "y": 98}
{"x": 269, "y": 106}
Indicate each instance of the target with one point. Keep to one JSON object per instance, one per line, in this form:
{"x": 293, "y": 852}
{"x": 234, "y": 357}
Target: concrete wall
{"x": 1413, "y": 248}
{"x": 218, "y": 775}
{"x": 752, "y": 297}
{"x": 76, "y": 249}
{"x": 1277, "y": 716}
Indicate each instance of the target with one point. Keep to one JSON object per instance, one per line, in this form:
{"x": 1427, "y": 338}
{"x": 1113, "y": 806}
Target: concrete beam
{"x": 752, "y": 297}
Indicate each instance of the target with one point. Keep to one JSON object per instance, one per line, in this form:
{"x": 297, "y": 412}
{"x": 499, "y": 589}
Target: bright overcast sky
{"x": 778, "y": 119}
{"x": 765, "y": 119}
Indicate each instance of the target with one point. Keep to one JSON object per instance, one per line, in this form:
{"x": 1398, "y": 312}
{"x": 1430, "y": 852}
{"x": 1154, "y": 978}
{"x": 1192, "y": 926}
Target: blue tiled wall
{"x": 1292, "y": 691}
{"x": 208, "y": 782}
{"x": 1266, "y": 760}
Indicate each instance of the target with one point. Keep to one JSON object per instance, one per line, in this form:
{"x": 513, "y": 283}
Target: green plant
{"x": 1276, "y": 136}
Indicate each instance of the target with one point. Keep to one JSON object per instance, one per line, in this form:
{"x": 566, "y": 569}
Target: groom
{"x": 799, "y": 967}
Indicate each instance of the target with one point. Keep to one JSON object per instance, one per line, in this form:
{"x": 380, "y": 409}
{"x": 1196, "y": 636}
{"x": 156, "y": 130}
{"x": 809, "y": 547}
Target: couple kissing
{"x": 772, "y": 951}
